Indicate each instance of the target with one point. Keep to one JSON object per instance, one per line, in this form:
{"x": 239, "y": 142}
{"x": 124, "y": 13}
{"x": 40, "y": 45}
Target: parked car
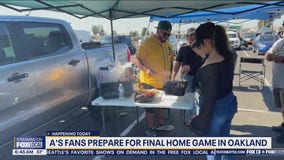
{"x": 45, "y": 72}
{"x": 248, "y": 39}
{"x": 262, "y": 43}
{"x": 107, "y": 40}
{"x": 234, "y": 39}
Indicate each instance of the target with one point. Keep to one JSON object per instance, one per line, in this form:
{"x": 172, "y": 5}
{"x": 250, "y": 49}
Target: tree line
{"x": 99, "y": 31}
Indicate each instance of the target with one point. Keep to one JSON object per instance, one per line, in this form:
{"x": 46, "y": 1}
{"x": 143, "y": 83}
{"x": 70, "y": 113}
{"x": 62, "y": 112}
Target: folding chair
{"x": 252, "y": 68}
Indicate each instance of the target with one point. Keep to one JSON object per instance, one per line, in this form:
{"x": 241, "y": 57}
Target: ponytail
{"x": 221, "y": 43}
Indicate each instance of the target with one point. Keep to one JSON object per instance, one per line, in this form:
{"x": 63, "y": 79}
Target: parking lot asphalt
{"x": 256, "y": 114}
{"x": 255, "y": 117}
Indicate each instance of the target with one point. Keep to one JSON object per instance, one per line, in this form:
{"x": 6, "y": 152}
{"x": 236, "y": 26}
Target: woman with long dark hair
{"x": 214, "y": 83}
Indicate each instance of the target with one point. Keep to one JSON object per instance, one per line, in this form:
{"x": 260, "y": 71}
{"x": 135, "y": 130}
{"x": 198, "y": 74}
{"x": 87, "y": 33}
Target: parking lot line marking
{"x": 256, "y": 110}
{"x": 132, "y": 125}
{"x": 246, "y": 53}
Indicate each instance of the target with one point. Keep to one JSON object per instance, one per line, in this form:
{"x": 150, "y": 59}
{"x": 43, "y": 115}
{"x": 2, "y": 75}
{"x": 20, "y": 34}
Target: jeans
{"x": 189, "y": 80}
{"x": 225, "y": 109}
{"x": 278, "y": 98}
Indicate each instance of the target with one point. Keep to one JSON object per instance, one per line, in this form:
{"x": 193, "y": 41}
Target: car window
{"x": 7, "y": 53}
{"x": 105, "y": 40}
{"x": 232, "y": 35}
{"x": 45, "y": 38}
{"x": 266, "y": 37}
{"x": 252, "y": 35}
{"x": 117, "y": 39}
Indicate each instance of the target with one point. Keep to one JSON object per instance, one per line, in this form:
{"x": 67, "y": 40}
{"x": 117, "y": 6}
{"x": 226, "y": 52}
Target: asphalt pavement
{"x": 256, "y": 114}
{"x": 255, "y": 117}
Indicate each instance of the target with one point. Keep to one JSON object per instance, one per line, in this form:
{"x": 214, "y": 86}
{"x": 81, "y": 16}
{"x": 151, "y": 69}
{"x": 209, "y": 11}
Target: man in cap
{"x": 190, "y": 63}
{"x": 153, "y": 58}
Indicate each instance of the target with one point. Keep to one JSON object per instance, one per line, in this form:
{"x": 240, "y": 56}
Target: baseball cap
{"x": 165, "y": 25}
{"x": 204, "y": 31}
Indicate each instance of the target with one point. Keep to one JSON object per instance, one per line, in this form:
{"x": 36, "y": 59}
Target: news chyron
{"x": 27, "y": 145}
{"x": 91, "y": 143}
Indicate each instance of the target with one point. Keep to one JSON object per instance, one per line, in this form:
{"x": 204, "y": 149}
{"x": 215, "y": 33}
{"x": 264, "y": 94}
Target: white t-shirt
{"x": 278, "y": 68}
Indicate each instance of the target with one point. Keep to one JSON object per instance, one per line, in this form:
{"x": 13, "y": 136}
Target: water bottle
{"x": 121, "y": 91}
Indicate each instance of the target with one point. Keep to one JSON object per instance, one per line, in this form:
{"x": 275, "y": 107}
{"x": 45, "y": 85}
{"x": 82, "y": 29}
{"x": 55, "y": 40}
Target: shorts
{"x": 278, "y": 97}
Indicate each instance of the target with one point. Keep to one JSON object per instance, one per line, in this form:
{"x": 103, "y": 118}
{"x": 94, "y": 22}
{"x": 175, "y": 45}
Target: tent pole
{"x": 179, "y": 35}
{"x": 147, "y": 32}
{"x": 112, "y": 37}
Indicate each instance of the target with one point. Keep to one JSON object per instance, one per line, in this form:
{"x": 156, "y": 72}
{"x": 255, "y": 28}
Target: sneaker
{"x": 165, "y": 127}
{"x": 280, "y": 138}
{"x": 279, "y": 128}
{"x": 151, "y": 132}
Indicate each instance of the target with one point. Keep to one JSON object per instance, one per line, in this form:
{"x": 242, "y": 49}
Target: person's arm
{"x": 269, "y": 56}
{"x": 210, "y": 86}
{"x": 178, "y": 63}
{"x": 185, "y": 69}
{"x": 278, "y": 59}
{"x": 175, "y": 70}
{"x": 141, "y": 65}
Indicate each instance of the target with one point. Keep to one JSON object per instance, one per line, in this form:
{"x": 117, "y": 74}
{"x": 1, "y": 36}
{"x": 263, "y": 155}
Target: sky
{"x": 121, "y": 26}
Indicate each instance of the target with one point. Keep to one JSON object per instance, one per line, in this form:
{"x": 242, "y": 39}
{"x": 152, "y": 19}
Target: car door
{"x": 18, "y": 91}
{"x": 60, "y": 67}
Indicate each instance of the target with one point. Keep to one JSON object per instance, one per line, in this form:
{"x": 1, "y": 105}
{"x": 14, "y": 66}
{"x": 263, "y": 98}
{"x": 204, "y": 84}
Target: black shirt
{"x": 188, "y": 57}
{"x": 213, "y": 81}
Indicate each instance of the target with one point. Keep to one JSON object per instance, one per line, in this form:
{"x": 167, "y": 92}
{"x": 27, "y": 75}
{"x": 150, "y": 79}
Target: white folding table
{"x": 185, "y": 102}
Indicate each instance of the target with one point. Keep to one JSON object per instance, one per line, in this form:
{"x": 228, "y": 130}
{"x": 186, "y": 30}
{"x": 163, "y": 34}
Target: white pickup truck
{"x": 45, "y": 71}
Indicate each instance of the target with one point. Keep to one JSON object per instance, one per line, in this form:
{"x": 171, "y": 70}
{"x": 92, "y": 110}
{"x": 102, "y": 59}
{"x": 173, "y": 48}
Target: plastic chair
{"x": 252, "y": 68}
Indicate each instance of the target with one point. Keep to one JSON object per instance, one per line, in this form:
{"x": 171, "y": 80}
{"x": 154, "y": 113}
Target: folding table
{"x": 185, "y": 102}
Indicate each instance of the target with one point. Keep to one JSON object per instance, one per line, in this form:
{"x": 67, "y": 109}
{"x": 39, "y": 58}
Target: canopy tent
{"x": 117, "y": 9}
{"x": 270, "y": 11}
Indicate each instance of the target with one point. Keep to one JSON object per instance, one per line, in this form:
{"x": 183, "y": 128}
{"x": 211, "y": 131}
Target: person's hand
{"x": 185, "y": 69}
{"x": 269, "y": 56}
{"x": 149, "y": 71}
